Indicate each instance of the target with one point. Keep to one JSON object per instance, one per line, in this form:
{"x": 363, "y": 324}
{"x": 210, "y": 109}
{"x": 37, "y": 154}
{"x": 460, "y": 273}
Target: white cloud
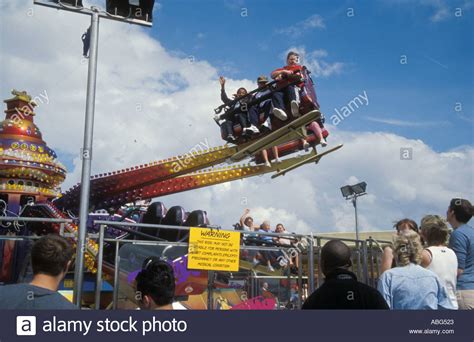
{"x": 234, "y": 4}
{"x": 141, "y": 116}
{"x": 312, "y": 22}
{"x": 406, "y": 123}
{"x": 442, "y": 10}
{"x": 316, "y": 61}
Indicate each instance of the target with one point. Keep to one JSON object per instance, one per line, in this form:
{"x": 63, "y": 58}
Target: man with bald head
{"x": 341, "y": 290}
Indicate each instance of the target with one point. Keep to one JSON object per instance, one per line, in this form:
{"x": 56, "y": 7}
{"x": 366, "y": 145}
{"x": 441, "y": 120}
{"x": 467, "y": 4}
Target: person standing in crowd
{"x": 437, "y": 257}
{"x": 462, "y": 243}
{"x": 265, "y": 290}
{"x": 401, "y": 226}
{"x": 410, "y": 286}
{"x": 50, "y": 259}
{"x": 155, "y": 285}
{"x": 340, "y": 289}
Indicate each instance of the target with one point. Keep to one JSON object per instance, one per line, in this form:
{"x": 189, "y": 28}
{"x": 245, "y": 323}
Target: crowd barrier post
{"x": 100, "y": 261}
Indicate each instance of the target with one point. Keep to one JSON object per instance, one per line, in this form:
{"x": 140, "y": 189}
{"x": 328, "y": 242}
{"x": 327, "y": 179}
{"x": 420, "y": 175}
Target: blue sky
{"x": 410, "y": 105}
{"x": 417, "y": 100}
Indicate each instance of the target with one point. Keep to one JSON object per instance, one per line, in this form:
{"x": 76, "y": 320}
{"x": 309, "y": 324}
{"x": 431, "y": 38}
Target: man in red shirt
{"x": 292, "y": 91}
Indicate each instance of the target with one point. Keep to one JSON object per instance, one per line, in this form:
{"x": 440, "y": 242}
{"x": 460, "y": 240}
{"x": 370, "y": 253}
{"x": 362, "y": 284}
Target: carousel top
{"x": 27, "y": 164}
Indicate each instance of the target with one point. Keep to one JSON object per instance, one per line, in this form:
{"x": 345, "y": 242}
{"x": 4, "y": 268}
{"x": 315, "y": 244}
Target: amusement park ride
{"x": 30, "y": 176}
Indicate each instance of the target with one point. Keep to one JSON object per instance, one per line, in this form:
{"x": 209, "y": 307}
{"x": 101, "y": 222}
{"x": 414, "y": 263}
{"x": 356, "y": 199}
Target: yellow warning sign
{"x": 213, "y": 250}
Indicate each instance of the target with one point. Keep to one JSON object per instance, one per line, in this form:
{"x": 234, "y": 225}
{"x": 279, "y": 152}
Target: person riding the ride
{"x": 264, "y": 107}
{"x": 290, "y": 72}
{"x": 292, "y": 92}
{"x": 240, "y": 111}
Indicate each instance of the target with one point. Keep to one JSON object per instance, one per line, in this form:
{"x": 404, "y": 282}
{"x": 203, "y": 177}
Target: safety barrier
{"x": 366, "y": 259}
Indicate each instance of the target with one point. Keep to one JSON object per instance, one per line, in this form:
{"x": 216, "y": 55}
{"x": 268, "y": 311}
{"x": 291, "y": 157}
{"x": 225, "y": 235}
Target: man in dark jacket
{"x": 341, "y": 290}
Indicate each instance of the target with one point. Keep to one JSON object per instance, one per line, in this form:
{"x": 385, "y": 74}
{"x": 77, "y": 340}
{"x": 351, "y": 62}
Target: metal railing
{"x": 367, "y": 254}
{"x": 118, "y": 242}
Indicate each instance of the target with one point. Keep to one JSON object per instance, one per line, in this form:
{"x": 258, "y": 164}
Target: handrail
{"x": 312, "y": 248}
{"x": 34, "y": 219}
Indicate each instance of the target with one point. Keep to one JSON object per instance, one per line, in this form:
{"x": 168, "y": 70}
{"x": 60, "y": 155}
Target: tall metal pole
{"x": 354, "y": 202}
{"x": 86, "y": 155}
{"x": 311, "y": 264}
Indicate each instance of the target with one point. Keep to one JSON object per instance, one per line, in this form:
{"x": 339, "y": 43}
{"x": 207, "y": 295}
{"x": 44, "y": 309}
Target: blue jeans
{"x": 278, "y": 97}
{"x": 254, "y": 112}
{"x": 228, "y": 125}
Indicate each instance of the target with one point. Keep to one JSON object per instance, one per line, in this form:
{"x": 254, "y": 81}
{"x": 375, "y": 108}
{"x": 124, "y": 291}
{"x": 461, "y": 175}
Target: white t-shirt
{"x": 445, "y": 264}
{"x": 178, "y": 306}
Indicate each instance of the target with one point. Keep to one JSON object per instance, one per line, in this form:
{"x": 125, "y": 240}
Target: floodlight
{"x": 346, "y": 191}
{"x": 356, "y": 189}
{"x": 75, "y": 3}
{"x": 351, "y": 192}
{"x": 359, "y": 188}
{"x": 132, "y": 9}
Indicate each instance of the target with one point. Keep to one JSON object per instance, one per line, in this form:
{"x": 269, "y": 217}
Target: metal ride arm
{"x": 286, "y": 133}
{"x": 313, "y": 156}
{"x": 219, "y": 175}
{"x": 120, "y": 187}
{"x": 119, "y": 182}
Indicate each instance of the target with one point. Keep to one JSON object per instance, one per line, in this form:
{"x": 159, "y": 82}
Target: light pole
{"x": 136, "y": 15}
{"x": 352, "y": 192}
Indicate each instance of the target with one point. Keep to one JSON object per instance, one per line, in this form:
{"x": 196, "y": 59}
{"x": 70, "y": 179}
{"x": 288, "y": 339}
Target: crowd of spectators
{"x": 425, "y": 268}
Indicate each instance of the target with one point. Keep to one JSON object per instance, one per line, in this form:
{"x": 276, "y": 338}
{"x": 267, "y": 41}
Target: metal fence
{"x": 366, "y": 258}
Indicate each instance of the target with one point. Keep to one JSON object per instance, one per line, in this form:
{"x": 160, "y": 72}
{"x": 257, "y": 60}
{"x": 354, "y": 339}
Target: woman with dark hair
{"x": 155, "y": 285}
{"x": 401, "y": 226}
{"x": 461, "y": 242}
{"x": 240, "y": 112}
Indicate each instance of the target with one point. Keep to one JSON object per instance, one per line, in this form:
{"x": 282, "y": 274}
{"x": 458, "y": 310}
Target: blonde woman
{"x": 401, "y": 226}
{"x": 437, "y": 257}
{"x": 409, "y": 286}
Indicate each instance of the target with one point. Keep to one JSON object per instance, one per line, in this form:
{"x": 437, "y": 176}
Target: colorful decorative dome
{"x": 27, "y": 165}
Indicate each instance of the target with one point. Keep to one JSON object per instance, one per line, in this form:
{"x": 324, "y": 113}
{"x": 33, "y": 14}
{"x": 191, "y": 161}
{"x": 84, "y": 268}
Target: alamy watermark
{"x": 345, "y": 111}
{"x": 184, "y": 160}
